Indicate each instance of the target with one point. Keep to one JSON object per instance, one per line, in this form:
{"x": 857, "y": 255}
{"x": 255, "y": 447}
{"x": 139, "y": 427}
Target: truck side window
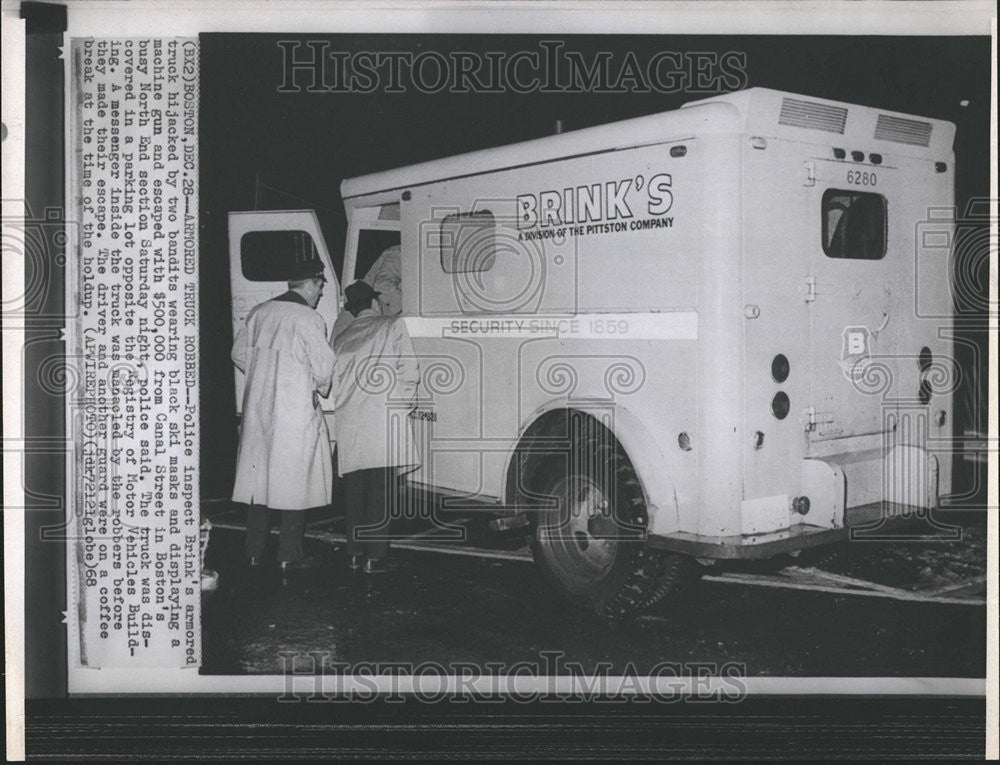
{"x": 468, "y": 242}
{"x": 854, "y": 224}
{"x": 372, "y": 242}
{"x": 268, "y": 256}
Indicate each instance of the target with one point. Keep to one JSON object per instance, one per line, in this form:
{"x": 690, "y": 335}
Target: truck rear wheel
{"x": 589, "y": 543}
{"x": 678, "y": 573}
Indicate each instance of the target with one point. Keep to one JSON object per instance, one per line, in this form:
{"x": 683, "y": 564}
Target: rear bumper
{"x": 798, "y": 537}
{"x": 856, "y": 484}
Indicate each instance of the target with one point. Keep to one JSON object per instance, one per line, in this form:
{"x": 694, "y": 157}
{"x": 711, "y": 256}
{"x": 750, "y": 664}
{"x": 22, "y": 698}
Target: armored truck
{"x": 718, "y": 332}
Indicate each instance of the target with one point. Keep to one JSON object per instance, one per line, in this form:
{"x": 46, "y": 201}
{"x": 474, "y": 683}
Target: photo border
{"x": 92, "y": 19}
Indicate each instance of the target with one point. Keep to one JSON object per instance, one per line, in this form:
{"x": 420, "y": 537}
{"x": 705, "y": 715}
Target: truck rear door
{"x": 856, "y": 270}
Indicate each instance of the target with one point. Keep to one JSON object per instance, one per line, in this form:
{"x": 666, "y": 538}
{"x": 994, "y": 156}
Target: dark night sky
{"x": 306, "y": 143}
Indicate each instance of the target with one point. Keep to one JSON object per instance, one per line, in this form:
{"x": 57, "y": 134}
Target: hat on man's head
{"x": 359, "y": 295}
{"x": 307, "y": 269}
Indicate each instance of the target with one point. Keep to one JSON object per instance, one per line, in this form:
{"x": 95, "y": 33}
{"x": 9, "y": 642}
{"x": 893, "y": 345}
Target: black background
{"x": 761, "y": 728}
{"x": 300, "y": 146}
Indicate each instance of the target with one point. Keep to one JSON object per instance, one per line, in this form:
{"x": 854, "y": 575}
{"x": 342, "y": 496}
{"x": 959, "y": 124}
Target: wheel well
{"x": 549, "y": 433}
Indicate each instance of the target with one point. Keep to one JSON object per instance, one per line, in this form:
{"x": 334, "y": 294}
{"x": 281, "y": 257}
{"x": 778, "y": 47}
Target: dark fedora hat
{"x": 359, "y": 295}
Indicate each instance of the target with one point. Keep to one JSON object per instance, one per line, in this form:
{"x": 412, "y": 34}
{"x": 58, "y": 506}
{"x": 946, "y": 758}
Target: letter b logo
{"x": 855, "y": 342}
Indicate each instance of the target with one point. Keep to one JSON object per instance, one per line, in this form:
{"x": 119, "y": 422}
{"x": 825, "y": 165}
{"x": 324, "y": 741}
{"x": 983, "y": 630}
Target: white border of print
{"x": 139, "y": 18}
{"x": 12, "y": 32}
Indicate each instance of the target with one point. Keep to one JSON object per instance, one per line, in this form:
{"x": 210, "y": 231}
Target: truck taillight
{"x": 924, "y": 394}
{"x": 779, "y": 368}
{"x": 780, "y": 405}
{"x": 925, "y": 360}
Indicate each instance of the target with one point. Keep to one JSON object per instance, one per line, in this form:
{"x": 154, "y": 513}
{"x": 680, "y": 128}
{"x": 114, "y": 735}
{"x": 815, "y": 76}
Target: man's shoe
{"x": 356, "y": 562}
{"x": 255, "y": 561}
{"x": 379, "y": 565}
{"x": 298, "y": 565}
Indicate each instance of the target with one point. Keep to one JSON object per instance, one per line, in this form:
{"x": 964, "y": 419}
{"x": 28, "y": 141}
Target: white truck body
{"x": 650, "y": 273}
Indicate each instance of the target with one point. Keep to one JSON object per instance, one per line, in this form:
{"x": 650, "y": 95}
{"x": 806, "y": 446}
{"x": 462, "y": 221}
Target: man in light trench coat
{"x": 376, "y": 376}
{"x": 284, "y": 460}
{"x": 385, "y": 277}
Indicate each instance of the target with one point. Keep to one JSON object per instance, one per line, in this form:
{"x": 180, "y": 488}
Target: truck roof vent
{"x": 809, "y": 114}
{"x": 900, "y": 130}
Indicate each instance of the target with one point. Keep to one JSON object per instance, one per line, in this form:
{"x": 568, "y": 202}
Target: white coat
{"x": 376, "y": 377}
{"x": 284, "y": 459}
{"x": 385, "y": 277}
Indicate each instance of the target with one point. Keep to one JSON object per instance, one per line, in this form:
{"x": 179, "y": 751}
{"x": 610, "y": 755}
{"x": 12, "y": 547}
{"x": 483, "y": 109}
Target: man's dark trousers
{"x": 364, "y": 494}
{"x": 293, "y": 524}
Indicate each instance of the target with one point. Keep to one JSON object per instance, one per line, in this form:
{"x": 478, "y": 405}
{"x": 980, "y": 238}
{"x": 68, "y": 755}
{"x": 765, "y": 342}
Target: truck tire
{"x": 677, "y": 575}
{"x": 590, "y": 543}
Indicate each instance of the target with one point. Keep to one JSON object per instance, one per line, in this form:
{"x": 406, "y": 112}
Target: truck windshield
{"x": 372, "y": 243}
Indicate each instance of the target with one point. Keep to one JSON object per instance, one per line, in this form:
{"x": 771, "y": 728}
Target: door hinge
{"x": 810, "y": 419}
{"x": 810, "y": 179}
{"x": 810, "y": 289}
{"x": 814, "y": 420}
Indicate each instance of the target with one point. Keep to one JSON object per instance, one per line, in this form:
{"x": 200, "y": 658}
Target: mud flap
{"x": 911, "y": 477}
{"x": 905, "y": 477}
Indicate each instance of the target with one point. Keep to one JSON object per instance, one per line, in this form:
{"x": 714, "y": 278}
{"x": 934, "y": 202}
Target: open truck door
{"x": 263, "y": 245}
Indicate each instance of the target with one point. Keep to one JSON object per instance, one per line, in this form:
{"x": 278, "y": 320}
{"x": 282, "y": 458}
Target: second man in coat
{"x": 376, "y": 377}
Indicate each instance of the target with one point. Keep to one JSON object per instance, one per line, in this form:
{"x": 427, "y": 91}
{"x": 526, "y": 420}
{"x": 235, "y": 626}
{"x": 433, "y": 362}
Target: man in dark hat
{"x": 375, "y": 442}
{"x": 284, "y": 460}
{"x": 385, "y": 277}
